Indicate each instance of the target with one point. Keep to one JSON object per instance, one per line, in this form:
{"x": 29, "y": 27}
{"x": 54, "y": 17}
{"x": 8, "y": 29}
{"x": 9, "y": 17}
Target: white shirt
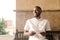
{"x": 41, "y": 25}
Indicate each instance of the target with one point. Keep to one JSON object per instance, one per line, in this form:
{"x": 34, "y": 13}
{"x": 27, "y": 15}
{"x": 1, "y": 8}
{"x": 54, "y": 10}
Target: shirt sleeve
{"x": 26, "y": 26}
{"x": 48, "y": 28}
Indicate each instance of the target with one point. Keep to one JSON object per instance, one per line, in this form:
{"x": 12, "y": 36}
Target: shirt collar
{"x": 38, "y": 19}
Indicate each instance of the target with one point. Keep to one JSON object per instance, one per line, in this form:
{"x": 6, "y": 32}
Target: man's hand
{"x": 32, "y": 33}
{"x": 43, "y": 33}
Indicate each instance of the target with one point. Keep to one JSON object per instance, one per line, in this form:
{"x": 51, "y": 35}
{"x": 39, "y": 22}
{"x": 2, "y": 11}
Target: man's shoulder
{"x": 30, "y": 19}
{"x": 45, "y": 19}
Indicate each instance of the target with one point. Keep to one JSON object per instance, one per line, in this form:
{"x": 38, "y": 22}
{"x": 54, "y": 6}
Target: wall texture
{"x": 53, "y": 17}
{"x": 45, "y": 4}
{"x": 24, "y": 11}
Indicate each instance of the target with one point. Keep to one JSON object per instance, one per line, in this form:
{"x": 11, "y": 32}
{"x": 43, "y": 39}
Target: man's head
{"x": 37, "y": 11}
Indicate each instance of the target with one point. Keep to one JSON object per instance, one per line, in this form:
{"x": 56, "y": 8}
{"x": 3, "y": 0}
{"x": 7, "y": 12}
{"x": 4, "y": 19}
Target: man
{"x": 36, "y": 27}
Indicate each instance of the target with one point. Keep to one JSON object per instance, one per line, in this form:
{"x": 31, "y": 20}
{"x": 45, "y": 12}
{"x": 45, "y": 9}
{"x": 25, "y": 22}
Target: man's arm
{"x": 43, "y": 33}
{"x": 26, "y": 29}
{"x": 27, "y": 33}
{"x": 47, "y": 28}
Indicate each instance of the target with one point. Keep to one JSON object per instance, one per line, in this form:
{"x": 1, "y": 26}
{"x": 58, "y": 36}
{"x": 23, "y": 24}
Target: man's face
{"x": 36, "y": 12}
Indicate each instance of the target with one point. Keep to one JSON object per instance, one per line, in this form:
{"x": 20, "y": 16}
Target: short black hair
{"x": 39, "y": 11}
{"x": 38, "y": 8}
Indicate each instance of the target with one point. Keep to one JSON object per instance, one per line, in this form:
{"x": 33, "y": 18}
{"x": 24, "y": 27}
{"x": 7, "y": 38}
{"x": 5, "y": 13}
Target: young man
{"x": 36, "y": 27}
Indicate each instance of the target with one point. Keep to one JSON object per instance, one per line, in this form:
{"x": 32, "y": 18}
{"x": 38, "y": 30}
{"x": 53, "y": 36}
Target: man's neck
{"x": 38, "y": 18}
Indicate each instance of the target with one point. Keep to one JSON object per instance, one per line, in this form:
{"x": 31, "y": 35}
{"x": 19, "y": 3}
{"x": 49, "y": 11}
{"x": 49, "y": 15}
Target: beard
{"x": 37, "y": 14}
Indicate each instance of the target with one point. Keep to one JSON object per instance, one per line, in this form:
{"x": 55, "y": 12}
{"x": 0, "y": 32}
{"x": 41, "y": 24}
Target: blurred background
{"x": 16, "y": 12}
